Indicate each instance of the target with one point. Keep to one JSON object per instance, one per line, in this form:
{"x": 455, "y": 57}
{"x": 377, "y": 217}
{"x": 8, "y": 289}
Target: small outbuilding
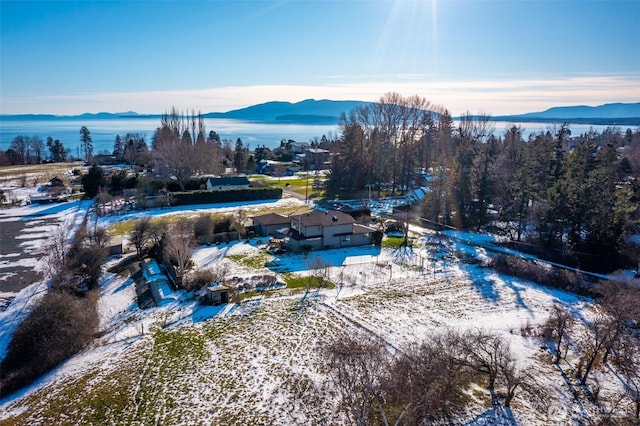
{"x": 269, "y": 224}
{"x": 114, "y": 246}
{"x": 217, "y": 294}
{"x": 157, "y": 281}
{"x": 56, "y": 182}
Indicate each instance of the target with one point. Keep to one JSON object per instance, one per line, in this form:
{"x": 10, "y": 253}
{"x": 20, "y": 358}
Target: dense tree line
{"x": 32, "y": 150}
{"x": 564, "y": 194}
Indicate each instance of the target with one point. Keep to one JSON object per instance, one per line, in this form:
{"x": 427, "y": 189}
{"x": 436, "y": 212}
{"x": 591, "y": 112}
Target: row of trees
{"x": 429, "y": 382}
{"x": 382, "y": 144}
{"x": 426, "y": 383}
{"x": 609, "y": 340}
{"x": 182, "y": 148}
{"x": 552, "y": 190}
{"x": 33, "y": 150}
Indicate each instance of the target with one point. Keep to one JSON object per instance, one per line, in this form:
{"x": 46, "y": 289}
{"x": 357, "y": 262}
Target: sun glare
{"x": 409, "y": 38}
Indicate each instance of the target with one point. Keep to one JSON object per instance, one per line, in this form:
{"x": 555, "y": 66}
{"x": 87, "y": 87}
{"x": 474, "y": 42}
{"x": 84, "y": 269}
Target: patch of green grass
{"x": 295, "y": 184}
{"x": 125, "y": 227}
{"x": 251, "y": 260}
{"x": 295, "y": 281}
{"x": 281, "y": 183}
{"x": 76, "y": 196}
{"x": 392, "y": 242}
{"x": 180, "y": 343}
{"x": 122, "y": 228}
{"x": 249, "y": 294}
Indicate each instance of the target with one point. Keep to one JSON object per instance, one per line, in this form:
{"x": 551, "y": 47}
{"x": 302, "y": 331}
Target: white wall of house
{"x": 332, "y": 234}
{"x": 224, "y": 187}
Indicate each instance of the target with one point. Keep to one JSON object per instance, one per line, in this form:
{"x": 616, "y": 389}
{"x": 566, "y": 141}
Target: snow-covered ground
{"x": 259, "y": 362}
{"x": 36, "y": 223}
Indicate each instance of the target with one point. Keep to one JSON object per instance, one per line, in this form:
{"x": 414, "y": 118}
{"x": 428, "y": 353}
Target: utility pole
{"x": 306, "y": 189}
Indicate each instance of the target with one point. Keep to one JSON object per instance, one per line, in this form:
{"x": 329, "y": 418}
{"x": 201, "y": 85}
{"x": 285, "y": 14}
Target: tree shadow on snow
{"x": 55, "y": 208}
{"x": 485, "y": 285}
{"x": 496, "y": 415}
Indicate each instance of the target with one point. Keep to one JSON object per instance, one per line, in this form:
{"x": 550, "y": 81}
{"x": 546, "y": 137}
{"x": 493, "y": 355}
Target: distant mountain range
{"x": 311, "y": 111}
{"x": 615, "y": 113}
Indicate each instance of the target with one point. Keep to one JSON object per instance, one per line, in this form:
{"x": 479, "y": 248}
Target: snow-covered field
{"x": 259, "y": 362}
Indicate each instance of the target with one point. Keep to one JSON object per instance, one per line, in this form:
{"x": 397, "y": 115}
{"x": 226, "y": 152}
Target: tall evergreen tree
{"x": 118, "y": 148}
{"x": 86, "y": 142}
{"x": 93, "y": 181}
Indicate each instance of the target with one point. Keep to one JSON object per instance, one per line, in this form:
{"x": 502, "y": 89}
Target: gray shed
{"x": 217, "y": 294}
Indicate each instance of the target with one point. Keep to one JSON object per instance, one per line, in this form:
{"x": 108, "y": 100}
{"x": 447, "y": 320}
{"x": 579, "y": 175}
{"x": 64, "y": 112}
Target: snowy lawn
{"x": 259, "y": 362}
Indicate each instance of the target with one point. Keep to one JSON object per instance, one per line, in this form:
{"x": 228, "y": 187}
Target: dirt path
{"x": 17, "y": 258}
{"x": 23, "y": 239}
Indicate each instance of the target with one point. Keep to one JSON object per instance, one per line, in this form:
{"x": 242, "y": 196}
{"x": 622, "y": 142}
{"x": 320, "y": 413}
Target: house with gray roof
{"x": 228, "y": 182}
{"x": 319, "y": 230}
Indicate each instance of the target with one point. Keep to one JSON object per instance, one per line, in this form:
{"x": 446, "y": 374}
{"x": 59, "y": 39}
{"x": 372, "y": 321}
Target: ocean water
{"x": 104, "y": 131}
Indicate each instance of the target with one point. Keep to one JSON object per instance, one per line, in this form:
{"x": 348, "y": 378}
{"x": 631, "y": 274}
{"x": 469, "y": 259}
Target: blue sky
{"x": 497, "y": 57}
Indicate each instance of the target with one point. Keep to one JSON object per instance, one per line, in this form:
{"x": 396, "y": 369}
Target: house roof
{"x": 327, "y": 218}
{"x": 361, "y": 229}
{"x": 271, "y": 219}
{"x": 215, "y": 287}
{"x": 230, "y": 180}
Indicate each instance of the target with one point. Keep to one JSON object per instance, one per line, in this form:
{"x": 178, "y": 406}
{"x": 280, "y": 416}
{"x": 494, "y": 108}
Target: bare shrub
{"x": 427, "y": 384}
{"x": 55, "y": 249}
{"x": 59, "y": 326}
{"x": 203, "y": 226}
{"x": 198, "y": 279}
{"x": 88, "y": 264}
{"x": 595, "y": 343}
{"x": 528, "y": 270}
{"x": 356, "y": 367}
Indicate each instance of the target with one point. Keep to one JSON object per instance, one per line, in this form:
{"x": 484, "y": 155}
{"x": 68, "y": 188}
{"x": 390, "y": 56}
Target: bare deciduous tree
{"x": 101, "y": 200}
{"x": 144, "y": 232}
{"x": 180, "y": 148}
{"x": 356, "y": 367}
{"x": 99, "y": 236}
{"x": 37, "y": 148}
{"x": 56, "y": 248}
{"x": 21, "y": 144}
{"x": 178, "y": 242}
{"x": 622, "y": 303}
{"x": 427, "y": 383}
{"x": 559, "y": 323}
{"x": 599, "y": 335}
{"x": 318, "y": 272}
{"x": 485, "y": 353}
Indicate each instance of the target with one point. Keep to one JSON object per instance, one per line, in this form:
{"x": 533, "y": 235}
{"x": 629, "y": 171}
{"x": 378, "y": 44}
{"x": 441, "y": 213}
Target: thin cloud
{"x": 497, "y": 97}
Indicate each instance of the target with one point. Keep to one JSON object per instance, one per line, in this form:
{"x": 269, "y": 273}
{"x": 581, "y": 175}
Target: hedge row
{"x": 225, "y": 196}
